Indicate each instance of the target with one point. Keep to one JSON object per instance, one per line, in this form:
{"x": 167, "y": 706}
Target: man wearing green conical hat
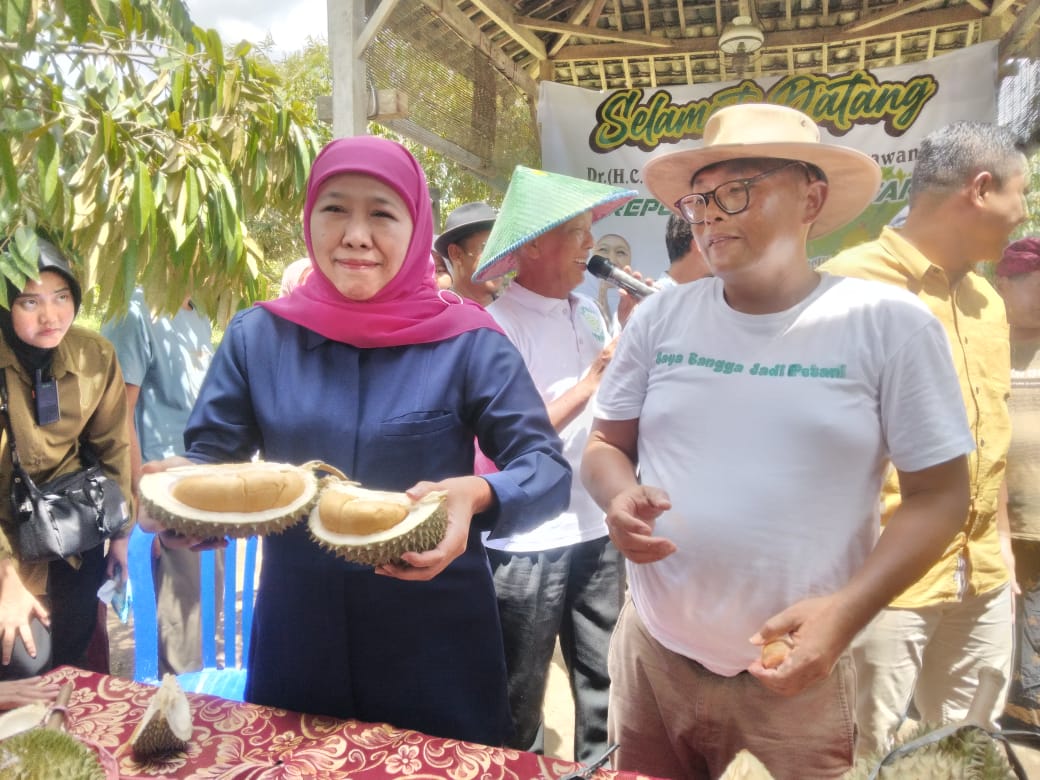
{"x": 564, "y": 578}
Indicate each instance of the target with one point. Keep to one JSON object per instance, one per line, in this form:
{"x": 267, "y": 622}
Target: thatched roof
{"x": 609, "y": 44}
{"x": 468, "y": 70}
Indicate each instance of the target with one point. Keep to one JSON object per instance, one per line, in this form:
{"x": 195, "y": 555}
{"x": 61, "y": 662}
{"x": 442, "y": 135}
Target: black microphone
{"x": 603, "y": 269}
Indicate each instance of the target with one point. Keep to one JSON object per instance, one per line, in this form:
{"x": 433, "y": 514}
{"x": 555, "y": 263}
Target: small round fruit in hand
{"x": 775, "y": 651}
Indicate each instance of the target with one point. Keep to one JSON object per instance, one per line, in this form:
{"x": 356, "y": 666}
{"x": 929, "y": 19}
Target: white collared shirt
{"x": 558, "y": 339}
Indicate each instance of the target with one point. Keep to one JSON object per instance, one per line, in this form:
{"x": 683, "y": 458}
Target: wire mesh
{"x": 457, "y": 99}
{"x": 1019, "y": 100}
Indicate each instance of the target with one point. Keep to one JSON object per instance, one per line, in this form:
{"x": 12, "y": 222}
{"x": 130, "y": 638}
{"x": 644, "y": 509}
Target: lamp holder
{"x": 741, "y": 36}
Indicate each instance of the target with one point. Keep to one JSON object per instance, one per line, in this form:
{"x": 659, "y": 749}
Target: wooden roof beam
{"x": 590, "y": 9}
{"x": 595, "y": 12}
{"x": 682, "y": 17}
{"x": 484, "y": 169}
{"x": 880, "y": 17}
{"x": 594, "y": 32}
{"x": 373, "y": 26}
{"x": 503, "y": 16}
{"x": 778, "y": 39}
{"x": 450, "y": 14}
{"x": 1000, "y": 7}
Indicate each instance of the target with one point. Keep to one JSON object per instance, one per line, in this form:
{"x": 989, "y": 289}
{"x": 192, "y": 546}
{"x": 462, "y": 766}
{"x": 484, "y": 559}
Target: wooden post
{"x": 349, "y": 83}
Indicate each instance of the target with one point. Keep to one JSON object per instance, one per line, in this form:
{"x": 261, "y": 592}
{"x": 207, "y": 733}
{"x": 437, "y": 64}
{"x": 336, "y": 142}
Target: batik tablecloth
{"x": 252, "y": 742}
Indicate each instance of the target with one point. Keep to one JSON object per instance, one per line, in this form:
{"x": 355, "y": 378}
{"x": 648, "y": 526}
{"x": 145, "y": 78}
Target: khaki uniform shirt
{"x": 92, "y": 399}
{"x": 975, "y": 321}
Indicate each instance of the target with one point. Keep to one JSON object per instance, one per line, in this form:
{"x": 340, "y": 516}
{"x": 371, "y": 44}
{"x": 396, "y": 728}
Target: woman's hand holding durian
{"x": 466, "y": 497}
{"x": 167, "y": 538}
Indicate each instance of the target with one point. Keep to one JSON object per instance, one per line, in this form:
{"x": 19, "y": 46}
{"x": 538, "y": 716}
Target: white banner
{"x": 608, "y": 136}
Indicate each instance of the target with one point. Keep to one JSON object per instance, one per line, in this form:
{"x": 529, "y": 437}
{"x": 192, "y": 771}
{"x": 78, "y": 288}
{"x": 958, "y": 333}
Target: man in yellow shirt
{"x": 968, "y": 195}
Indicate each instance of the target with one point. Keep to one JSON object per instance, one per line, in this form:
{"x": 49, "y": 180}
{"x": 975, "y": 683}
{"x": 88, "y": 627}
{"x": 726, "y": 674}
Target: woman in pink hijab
{"x": 366, "y": 367}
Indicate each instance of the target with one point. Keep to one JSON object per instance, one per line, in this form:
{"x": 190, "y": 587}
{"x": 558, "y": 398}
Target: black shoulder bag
{"x": 66, "y": 516}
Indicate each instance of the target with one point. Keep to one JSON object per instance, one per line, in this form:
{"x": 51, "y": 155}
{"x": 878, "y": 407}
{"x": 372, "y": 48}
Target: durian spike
{"x": 56, "y": 716}
{"x": 991, "y": 682}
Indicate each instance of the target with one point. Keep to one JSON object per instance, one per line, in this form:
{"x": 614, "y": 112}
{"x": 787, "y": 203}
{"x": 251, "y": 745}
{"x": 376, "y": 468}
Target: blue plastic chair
{"x": 228, "y": 681}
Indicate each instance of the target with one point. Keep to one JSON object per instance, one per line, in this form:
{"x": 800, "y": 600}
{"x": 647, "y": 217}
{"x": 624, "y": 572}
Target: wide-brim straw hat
{"x": 467, "y": 219}
{"x": 751, "y": 130}
{"x": 535, "y": 203}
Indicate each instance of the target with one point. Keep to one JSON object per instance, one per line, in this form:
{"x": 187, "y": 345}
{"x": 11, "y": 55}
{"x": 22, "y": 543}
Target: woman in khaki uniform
{"x": 65, "y": 392}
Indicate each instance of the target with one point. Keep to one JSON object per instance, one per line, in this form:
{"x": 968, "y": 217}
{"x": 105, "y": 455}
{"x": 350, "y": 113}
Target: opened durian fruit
{"x": 373, "y": 527}
{"x": 376, "y": 527}
{"x": 230, "y": 499}
{"x": 166, "y": 723}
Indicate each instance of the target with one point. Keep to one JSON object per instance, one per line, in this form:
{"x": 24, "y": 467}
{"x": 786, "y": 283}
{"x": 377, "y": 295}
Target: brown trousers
{"x": 673, "y": 718}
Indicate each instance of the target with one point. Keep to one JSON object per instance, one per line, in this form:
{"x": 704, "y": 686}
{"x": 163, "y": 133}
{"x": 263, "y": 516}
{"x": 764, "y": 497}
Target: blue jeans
{"x": 572, "y": 592}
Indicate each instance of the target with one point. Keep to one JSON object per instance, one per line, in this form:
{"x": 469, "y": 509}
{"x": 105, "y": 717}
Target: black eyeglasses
{"x": 731, "y": 197}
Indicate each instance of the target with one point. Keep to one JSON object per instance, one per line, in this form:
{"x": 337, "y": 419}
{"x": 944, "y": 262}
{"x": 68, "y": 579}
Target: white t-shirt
{"x": 665, "y": 282}
{"x": 558, "y": 340}
{"x": 771, "y": 435}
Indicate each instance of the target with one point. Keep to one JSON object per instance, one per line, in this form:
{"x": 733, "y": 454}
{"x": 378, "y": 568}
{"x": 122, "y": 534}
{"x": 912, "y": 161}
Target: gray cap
{"x": 466, "y": 219}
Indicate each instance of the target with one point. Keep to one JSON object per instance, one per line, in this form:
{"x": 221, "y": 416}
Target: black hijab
{"x": 35, "y": 358}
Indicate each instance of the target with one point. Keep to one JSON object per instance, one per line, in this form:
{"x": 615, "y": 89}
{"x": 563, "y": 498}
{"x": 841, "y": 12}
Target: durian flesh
{"x": 745, "y": 766}
{"x": 229, "y": 499}
{"x": 376, "y": 527}
{"x": 166, "y": 723}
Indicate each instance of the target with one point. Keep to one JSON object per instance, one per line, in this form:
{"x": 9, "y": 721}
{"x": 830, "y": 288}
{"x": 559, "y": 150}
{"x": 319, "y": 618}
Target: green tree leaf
{"x": 127, "y": 132}
{"x": 8, "y": 170}
{"x": 47, "y": 170}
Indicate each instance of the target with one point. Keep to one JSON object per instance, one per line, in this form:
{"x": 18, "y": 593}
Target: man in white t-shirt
{"x": 742, "y": 433}
{"x": 563, "y": 578}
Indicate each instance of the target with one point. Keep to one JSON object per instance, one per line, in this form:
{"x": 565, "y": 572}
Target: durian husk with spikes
{"x": 961, "y": 751}
{"x": 48, "y": 754}
{"x": 375, "y": 527}
{"x": 236, "y": 500}
{"x": 968, "y": 754}
{"x": 166, "y": 724}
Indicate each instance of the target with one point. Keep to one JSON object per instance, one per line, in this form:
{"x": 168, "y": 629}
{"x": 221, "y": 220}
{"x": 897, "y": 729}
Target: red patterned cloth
{"x": 234, "y": 741}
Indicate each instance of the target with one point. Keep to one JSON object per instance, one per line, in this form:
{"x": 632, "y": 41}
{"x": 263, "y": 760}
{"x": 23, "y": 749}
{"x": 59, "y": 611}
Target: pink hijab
{"x": 408, "y": 310}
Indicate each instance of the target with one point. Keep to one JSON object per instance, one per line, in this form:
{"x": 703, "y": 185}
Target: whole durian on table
{"x": 960, "y": 751}
{"x": 966, "y": 754}
{"x": 48, "y": 754}
{"x": 166, "y": 723}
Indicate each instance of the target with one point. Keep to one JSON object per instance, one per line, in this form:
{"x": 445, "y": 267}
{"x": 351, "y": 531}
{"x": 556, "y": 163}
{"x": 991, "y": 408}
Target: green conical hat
{"x": 535, "y": 203}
